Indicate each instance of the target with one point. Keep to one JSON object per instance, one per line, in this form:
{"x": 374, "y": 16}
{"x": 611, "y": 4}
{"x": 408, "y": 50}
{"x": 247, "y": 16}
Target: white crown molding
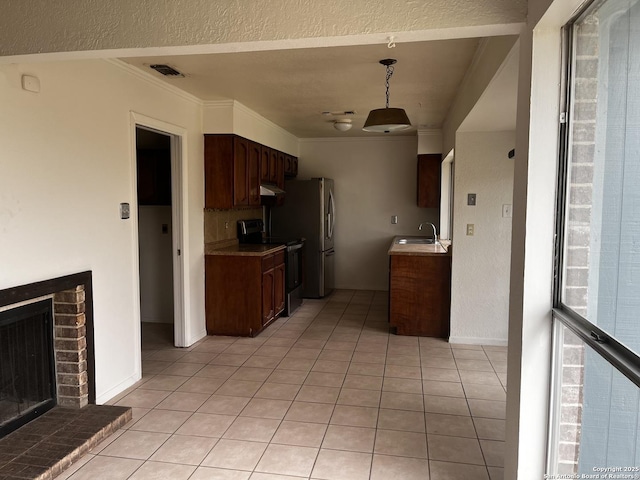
{"x": 149, "y": 78}
{"x": 218, "y": 103}
{"x": 429, "y": 132}
{"x": 395, "y": 138}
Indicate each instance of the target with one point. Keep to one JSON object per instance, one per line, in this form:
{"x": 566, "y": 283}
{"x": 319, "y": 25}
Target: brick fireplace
{"x": 71, "y": 297}
{"x": 45, "y": 446}
{"x": 70, "y": 347}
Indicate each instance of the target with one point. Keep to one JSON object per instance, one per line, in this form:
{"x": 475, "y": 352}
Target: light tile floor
{"x": 325, "y": 394}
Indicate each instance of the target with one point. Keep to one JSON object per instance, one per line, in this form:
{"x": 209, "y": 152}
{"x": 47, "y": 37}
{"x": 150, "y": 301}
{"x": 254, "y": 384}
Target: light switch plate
{"x": 471, "y": 199}
{"x": 394, "y": 219}
{"x": 125, "y": 211}
{"x": 507, "y": 211}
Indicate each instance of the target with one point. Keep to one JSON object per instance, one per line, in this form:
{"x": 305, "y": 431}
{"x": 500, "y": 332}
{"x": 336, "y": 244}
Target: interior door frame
{"x": 178, "y": 153}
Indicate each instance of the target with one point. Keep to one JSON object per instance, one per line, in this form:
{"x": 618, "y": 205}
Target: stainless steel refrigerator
{"x": 309, "y": 211}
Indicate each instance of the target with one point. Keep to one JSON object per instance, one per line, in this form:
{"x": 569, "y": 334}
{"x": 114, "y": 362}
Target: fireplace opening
{"x": 27, "y": 364}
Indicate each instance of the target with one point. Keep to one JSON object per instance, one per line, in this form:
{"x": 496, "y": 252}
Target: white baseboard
{"x": 197, "y": 337}
{"x": 118, "y": 389}
{"x": 494, "y": 342}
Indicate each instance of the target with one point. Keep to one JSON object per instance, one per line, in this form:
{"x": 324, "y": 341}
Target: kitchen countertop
{"x": 243, "y": 250}
{"x": 443, "y": 247}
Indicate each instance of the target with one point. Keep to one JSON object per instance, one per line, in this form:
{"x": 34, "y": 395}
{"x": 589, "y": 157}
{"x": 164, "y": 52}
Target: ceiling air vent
{"x": 327, "y": 113}
{"x": 166, "y": 70}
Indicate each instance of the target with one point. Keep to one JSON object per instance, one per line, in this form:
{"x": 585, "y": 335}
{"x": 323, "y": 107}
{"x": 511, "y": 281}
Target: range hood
{"x": 269, "y": 190}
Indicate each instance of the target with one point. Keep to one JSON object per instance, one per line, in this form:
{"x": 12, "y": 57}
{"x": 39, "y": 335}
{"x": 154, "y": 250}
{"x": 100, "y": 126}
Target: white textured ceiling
{"x": 38, "y": 26}
{"x": 292, "y": 87}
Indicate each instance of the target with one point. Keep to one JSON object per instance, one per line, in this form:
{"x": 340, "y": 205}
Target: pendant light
{"x": 387, "y": 119}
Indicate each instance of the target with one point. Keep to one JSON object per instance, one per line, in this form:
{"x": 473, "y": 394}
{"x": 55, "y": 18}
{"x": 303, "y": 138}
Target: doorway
{"x": 158, "y": 206}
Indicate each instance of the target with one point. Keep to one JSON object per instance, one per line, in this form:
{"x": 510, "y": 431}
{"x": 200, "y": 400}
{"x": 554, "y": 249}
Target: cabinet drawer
{"x": 268, "y": 262}
{"x": 279, "y": 258}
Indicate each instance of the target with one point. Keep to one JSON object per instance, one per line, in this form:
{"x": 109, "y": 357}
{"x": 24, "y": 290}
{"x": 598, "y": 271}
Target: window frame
{"x": 606, "y": 345}
{"x": 615, "y": 352}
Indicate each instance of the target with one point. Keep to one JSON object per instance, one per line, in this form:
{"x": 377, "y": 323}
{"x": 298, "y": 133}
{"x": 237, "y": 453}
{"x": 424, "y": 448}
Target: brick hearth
{"x": 46, "y": 446}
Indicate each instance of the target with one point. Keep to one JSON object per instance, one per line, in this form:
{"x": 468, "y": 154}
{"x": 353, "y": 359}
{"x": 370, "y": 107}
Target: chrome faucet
{"x": 435, "y": 235}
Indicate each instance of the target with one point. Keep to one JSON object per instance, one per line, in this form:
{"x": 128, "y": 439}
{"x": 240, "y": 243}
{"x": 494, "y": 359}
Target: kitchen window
{"x": 446, "y": 197}
{"x": 595, "y": 415}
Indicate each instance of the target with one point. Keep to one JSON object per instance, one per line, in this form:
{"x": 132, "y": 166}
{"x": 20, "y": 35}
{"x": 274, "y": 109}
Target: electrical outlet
{"x": 226, "y": 225}
{"x": 506, "y": 211}
{"x": 470, "y": 229}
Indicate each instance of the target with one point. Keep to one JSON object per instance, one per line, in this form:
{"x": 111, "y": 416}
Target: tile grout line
{"x": 324, "y": 436}
{"x": 325, "y": 336}
{"x": 424, "y": 408}
{"x": 292, "y": 401}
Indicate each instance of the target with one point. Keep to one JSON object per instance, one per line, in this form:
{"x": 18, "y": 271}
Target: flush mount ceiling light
{"x": 387, "y": 119}
{"x": 343, "y": 124}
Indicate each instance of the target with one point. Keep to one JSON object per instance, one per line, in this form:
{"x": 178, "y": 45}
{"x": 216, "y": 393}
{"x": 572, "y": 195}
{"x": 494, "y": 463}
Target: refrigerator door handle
{"x": 331, "y": 216}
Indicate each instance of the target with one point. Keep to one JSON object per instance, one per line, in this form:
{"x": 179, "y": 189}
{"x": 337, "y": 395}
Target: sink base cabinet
{"x": 242, "y": 293}
{"x": 420, "y": 295}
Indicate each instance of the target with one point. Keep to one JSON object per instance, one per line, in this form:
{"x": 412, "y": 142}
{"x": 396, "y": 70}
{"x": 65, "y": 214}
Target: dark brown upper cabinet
{"x": 429, "y": 166}
{"x": 265, "y": 155}
{"x": 290, "y": 166}
{"x": 235, "y": 167}
{"x": 231, "y": 172}
{"x": 255, "y": 156}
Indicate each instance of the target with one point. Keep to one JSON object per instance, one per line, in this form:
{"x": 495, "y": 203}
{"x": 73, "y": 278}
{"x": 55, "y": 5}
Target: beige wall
{"x": 156, "y": 264}
{"x": 67, "y": 159}
{"x": 375, "y": 178}
{"x": 481, "y": 263}
{"x": 230, "y": 116}
{"x": 489, "y": 57}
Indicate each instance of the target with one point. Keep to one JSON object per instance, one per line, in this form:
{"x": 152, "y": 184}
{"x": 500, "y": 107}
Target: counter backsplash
{"x": 214, "y": 222}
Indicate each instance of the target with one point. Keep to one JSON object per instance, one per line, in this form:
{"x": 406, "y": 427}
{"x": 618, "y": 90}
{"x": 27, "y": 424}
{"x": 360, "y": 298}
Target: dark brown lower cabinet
{"x": 243, "y": 294}
{"x": 420, "y": 294}
{"x": 279, "y": 288}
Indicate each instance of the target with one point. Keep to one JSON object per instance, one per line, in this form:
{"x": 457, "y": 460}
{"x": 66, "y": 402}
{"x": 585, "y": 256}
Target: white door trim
{"x": 178, "y": 153}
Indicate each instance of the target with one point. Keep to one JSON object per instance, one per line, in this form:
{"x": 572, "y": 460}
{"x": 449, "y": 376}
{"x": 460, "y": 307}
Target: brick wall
{"x": 70, "y": 347}
{"x": 571, "y": 402}
{"x": 578, "y": 237}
